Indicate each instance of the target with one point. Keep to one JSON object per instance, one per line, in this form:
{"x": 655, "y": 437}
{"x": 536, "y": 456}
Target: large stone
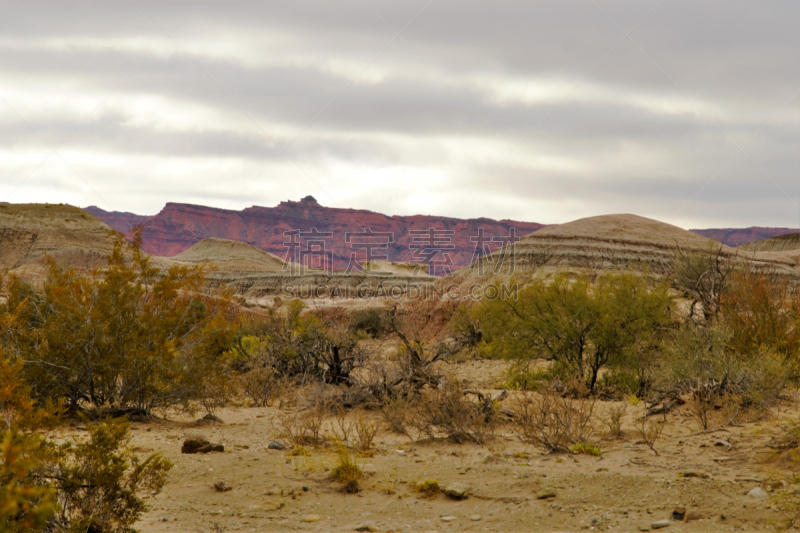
{"x": 200, "y": 445}
{"x": 658, "y": 524}
{"x": 221, "y": 486}
{"x": 458, "y": 491}
{"x": 210, "y": 419}
{"x": 276, "y": 446}
{"x": 546, "y": 494}
{"x": 312, "y": 518}
{"x": 758, "y": 493}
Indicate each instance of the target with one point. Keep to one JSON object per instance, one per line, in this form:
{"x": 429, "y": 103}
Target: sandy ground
{"x": 626, "y": 489}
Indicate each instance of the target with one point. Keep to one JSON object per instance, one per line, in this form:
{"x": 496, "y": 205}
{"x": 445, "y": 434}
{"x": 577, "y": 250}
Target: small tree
{"x": 127, "y": 340}
{"x": 703, "y": 276}
{"x": 582, "y": 328}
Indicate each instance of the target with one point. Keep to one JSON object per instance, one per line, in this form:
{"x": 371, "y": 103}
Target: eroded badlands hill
{"x": 68, "y": 234}
{"x": 610, "y": 242}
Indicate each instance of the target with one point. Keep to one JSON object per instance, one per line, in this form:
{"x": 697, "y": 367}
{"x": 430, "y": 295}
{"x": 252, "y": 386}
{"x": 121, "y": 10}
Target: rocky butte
{"x": 179, "y": 226}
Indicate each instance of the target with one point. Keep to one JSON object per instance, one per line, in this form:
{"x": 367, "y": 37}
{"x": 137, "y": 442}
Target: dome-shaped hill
{"x": 781, "y": 243}
{"x": 232, "y": 256}
{"x": 609, "y": 242}
{"x": 618, "y": 228}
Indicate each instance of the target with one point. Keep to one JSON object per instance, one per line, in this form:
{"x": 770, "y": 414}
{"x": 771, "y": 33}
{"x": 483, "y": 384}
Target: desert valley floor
{"x": 628, "y": 488}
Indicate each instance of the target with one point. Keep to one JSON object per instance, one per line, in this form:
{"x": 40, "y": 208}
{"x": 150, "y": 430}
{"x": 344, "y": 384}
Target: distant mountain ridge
{"x": 179, "y": 226}
{"x": 740, "y": 236}
{"x": 444, "y": 243}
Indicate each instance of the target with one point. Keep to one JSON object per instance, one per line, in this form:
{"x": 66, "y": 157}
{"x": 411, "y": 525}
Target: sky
{"x": 687, "y": 111}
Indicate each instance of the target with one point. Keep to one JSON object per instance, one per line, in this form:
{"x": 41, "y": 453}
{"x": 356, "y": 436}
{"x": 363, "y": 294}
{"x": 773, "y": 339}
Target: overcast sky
{"x": 684, "y": 111}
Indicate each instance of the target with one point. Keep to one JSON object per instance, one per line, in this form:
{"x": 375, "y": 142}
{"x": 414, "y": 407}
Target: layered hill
{"x": 233, "y": 256}
{"x": 609, "y": 242}
{"x": 179, "y": 226}
{"x": 29, "y": 233}
{"x": 254, "y": 273}
{"x": 68, "y": 234}
{"x": 781, "y": 243}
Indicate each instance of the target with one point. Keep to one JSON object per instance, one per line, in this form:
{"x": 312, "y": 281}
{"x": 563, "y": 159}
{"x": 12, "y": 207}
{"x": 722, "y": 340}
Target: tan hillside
{"x": 231, "y": 256}
{"x": 395, "y": 267}
{"x": 781, "y": 243}
{"x": 66, "y": 233}
{"x": 607, "y": 242}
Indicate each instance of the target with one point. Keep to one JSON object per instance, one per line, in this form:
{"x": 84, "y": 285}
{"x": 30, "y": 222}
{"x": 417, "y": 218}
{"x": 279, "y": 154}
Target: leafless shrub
{"x": 701, "y": 406}
{"x": 305, "y": 427}
{"x": 365, "y": 432}
{"x": 395, "y": 413}
{"x": 342, "y": 428}
{"x": 613, "y": 419}
{"x": 446, "y": 411}
{"x": 551, "y": 422}
{"x": 650, "y": 431}
{"x": 264, "y": 386}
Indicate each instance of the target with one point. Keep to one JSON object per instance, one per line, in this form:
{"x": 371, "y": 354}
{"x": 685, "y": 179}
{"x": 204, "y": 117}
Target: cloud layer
{"x": 684, "y": 111}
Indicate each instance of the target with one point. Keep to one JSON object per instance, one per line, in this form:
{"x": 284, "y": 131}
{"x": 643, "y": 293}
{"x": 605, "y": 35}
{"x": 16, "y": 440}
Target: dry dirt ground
{"x": 626, "y": 489}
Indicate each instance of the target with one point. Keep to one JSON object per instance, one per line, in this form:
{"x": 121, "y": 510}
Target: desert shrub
{"x": 306, "y": 427}
{"x": 552, "y": 422}
{"x": 127, "y": 340}
{"x": 446, "y": 411}
{"x": 100, "y": 482}
{"x": 465, "y": 327}
{"x": 584, "y": 448}
{"x": 704, "y": 276}
{"x": 761, "y": 309}
{"x": 429, "y": 487}
{"x": 303, "y": 347}
{"x": 26, "y": 504}
{"x": 347, "y": 470}
{"x": 787, "y": 441}
{"x": 700, "y": 361}
{"x": 395, "y": 413}
{"x": 364, "y": 435}
{"x": 582, "y": 328}
{"x": 650, "y": 430}
{"x": 613, "y": 419}
{"x": 372, "y": 322}
{"x": 93, "y": 485}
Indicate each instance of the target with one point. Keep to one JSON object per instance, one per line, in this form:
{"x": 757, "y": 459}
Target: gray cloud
{"x": 540, "y": 111}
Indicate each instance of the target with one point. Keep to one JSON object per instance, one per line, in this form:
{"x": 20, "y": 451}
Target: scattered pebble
{"x": 276, "y": 446}
{"x": 658, "y": 524}
{"x": 546, "y": 494}
{"x": 758, "y": 493}
{"x": 475, "y": 517}
{"x": 312, "y": 518}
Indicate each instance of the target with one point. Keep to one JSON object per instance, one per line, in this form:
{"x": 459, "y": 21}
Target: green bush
{"x": 583, "y": 328}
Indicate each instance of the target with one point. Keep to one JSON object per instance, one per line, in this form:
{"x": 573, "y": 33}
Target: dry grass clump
{"x": 551, "y": 422}
{"x": 347, "y": 470}
{"x": 428, "y": 488}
